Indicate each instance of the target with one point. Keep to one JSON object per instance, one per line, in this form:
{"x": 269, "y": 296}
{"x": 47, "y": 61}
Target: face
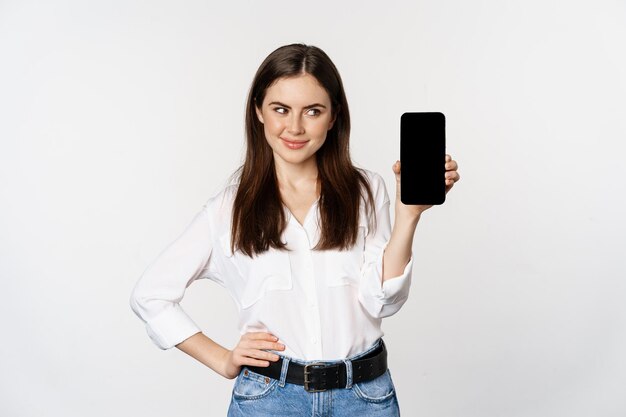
{"x": 296, "y": 115}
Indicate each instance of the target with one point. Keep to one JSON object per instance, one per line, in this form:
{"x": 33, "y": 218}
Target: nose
{"x": 295, "y": 126}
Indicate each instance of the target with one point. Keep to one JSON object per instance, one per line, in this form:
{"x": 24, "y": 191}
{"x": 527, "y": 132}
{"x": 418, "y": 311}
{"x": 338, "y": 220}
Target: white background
{"x": 119, "y": 119}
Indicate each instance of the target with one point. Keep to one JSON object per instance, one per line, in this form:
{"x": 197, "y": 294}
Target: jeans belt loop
{"x": 348, "y": 363}
{"x": 283, "y": 371}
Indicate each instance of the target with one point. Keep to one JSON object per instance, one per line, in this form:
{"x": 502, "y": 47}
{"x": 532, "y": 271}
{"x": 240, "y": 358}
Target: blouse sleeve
{"x": 156, "y": 296}
{"x": 386, "y": 299}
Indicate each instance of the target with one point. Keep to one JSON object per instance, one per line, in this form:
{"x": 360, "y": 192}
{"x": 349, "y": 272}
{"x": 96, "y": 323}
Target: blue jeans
{"x": 255, "y": 395}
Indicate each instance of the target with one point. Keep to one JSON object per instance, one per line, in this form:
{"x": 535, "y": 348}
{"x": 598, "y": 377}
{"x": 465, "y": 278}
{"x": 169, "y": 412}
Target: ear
{"x": 259, "y": 114}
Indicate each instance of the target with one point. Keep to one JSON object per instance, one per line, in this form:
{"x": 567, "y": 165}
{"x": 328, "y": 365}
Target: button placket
{"x": 311, "y": 293}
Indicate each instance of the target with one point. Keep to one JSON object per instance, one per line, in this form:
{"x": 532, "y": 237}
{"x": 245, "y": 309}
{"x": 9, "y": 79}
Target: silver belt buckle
{"x": 307, "y": 381}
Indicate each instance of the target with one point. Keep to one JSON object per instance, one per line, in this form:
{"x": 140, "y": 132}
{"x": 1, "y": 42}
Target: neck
{"x": 296, "y": 176}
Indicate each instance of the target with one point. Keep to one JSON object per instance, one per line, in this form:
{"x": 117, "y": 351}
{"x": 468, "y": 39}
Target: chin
{"x": 292, "y": 159}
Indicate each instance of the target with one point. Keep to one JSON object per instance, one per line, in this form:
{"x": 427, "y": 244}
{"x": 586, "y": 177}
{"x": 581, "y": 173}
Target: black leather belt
{"x": 320, "y": 376}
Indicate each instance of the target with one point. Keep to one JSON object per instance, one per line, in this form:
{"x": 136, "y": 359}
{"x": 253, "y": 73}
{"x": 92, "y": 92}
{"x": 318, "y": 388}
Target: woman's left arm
{"x": 398, "y": 251}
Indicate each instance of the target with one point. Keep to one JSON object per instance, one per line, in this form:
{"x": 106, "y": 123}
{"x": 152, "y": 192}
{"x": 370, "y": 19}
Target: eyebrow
{"x": 288, "y": 107}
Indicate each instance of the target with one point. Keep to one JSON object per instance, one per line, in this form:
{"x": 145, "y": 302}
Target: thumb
{"x": 396, "y": 170}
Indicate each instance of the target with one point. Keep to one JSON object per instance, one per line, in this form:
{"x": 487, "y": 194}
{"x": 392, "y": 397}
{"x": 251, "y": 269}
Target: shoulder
{"x": 377, "y": 185}
{"x": 220, "y": 203}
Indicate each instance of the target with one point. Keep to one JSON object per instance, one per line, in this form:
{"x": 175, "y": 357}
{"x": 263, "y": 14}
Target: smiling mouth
{"x": 294, "y": 145}
{"x": 294, "y": 141}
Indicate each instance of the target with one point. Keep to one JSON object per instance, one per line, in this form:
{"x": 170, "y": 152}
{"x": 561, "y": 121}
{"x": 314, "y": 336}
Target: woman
{"x": 302, "y": 241}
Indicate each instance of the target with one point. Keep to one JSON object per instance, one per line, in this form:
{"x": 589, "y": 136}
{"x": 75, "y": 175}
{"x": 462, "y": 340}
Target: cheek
{"x": 320, "y": 130}
{"x": 273, "y": 126}
{"x": 319, "y": 135}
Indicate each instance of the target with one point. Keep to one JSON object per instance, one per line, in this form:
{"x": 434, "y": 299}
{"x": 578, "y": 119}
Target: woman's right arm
{"x": 156, "y": 298}
{"x": 157, "y": 295}
{"x": 206, "y": 351}
{"x": 249, "y": 351}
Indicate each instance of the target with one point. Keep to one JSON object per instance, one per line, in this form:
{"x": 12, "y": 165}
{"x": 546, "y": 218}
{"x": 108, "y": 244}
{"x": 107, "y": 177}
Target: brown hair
{"x": 258, "y": 215}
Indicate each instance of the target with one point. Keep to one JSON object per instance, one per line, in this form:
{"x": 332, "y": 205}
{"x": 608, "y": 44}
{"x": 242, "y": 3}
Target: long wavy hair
{"x": 259, "y": 219}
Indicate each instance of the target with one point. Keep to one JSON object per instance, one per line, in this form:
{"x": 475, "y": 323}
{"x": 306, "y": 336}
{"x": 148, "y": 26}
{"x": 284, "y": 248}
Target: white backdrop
{"x": 118, "y": 119}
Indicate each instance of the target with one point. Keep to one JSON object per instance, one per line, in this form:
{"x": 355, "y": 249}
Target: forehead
{"x": 300, "y": 90}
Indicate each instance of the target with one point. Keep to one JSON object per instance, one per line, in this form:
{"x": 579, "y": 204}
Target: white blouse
{"x": 322, "y": 305}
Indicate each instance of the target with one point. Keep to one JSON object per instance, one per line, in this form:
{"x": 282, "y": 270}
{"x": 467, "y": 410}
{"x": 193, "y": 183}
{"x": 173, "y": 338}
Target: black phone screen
{"x": 422, "y": 158}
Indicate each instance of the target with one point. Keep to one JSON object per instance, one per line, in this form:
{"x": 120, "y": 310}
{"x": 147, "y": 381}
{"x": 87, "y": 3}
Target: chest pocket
{"x": 258, "y": 276}
{"x": 344, "y": 267}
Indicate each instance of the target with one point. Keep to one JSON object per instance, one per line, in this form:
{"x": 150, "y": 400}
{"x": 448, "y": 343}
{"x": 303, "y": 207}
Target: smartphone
{"x": 422, "y": 158}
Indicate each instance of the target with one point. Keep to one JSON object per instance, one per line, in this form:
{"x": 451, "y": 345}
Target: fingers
{"x": 245, "y": 359}
{"x": 255, "y": 354}
{"x": 452, "y": 177}
{"x": 259, "y": 336}
{"x": 451, "y": 165}
{"x": 260, "y": 341}
{"x": 253, "y": 346}
{"x": 451, "y": 174}
{"x": 261, "y": 344}
{"x": 242, "y": 360}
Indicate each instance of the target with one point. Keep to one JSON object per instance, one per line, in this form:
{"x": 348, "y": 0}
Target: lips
{"x": 294, "y": 141}
{"x": 294, "y": 145}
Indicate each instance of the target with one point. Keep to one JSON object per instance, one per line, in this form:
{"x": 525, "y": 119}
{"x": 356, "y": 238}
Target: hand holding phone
{"x": 422, "y": 158}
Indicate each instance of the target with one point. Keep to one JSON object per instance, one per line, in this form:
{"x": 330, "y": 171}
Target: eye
{"x": 280, "y": 110}
{"x": 316, "y": 112}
